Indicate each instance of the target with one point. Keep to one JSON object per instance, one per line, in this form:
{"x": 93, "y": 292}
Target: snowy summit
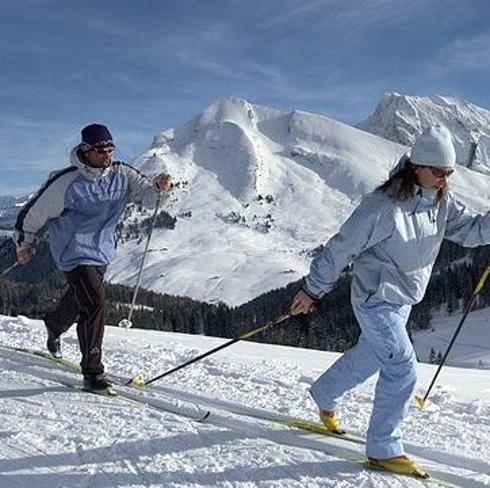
{"x": 401, "y": 118}
{"x": 261, "y": 188}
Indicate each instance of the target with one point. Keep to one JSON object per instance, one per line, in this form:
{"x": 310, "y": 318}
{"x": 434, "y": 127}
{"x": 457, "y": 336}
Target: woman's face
{"x": 433, "y": 177}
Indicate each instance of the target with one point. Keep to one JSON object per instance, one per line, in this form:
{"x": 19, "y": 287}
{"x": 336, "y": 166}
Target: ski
{"x": 45, "y": 355}
{"x": 317, "y": 428}
{"x": 428, "y": 479}
{"x": 108, "y": 392}
{"x": 135, "y": 397}
{"x": 334, "y": 450}
{"x": 312, "y": 427}
{"x": 376, "y": 467}
{"x": 132, "y": 397}
{"x": 309, "y": 427}
{"x": 291, "y": 422}
{"x": 66, "y": 363}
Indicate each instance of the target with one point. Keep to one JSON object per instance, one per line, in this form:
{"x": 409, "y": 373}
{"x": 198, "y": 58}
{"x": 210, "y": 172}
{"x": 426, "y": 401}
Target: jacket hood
{"x": 88, "y": 171}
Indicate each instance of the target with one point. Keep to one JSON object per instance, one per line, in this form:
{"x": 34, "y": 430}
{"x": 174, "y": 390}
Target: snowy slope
{"x": 54, "y": 436}
{"x": 258, "y": 189}
{"x": 9, "y": 208}
{"x": 264, "y": 188}
{"x": 472, "y": 349}
{"x": 261, "y": 189}
{"x": 400, "y": 118}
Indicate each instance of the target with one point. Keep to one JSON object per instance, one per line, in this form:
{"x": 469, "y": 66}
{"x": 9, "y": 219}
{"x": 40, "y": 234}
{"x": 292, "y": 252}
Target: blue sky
{"x": 145, "y": 66}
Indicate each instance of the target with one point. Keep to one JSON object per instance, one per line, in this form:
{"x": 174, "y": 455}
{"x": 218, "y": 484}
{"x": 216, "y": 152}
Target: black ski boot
{"x": 96, "y": 383}
{"x": 53, "y": 344}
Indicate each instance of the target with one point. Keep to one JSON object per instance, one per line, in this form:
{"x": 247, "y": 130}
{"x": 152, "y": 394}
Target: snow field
{"x": 56, "y": 436}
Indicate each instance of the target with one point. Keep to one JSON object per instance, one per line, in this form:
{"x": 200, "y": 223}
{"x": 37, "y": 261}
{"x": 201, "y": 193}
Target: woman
{"x": 392, "y": 238}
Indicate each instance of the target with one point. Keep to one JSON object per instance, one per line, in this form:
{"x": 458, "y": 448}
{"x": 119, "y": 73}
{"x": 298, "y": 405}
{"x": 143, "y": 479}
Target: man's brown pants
{"x": 85, "y": 301}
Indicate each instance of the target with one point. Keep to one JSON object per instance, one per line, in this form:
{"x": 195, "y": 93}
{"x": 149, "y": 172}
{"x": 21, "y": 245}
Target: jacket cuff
{"x": 311, "y": 295}
{"x": 26, "y": 238}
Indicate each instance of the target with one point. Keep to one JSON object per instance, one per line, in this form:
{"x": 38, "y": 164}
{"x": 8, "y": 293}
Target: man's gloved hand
{"x": 303, "y": 303}
{"x": 24, "y": 255}
{"x": 162, "y": 182}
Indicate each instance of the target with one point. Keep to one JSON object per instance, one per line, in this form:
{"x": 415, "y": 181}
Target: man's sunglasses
{"x": 104, "y": 150}
{"x": 441, "y": 172}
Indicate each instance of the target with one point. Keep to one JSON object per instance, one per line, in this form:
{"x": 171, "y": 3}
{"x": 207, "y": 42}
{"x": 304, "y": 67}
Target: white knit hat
{"x": 434, "y": 147}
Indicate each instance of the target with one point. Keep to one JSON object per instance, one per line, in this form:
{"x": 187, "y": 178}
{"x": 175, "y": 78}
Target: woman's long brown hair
{"x": 401, "y": 185}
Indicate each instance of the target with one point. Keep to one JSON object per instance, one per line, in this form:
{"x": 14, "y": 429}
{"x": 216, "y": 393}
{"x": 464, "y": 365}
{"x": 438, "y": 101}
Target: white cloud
{"x": 354, "y": 14}
{"x": 296, "y": 10}
{"x": 462, "y": 55}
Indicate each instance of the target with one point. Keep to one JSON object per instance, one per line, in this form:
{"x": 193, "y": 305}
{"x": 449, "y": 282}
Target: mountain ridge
{"x": 257, "y": 190}
{"x": 401, "y": 118}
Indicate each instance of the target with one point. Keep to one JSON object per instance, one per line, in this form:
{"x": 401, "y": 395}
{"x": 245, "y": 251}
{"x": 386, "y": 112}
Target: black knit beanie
{"x": 95, "y": 136}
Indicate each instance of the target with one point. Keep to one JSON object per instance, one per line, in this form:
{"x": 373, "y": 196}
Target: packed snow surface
{"x": 472, "y": 347}
{"x": 56, "y": 436}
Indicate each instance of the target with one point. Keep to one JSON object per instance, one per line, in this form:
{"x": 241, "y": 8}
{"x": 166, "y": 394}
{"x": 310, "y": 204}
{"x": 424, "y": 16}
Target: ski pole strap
{"x": 247, "y": 335}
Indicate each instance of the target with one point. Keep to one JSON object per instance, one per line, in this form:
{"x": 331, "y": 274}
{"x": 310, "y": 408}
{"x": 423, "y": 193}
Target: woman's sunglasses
{"x": 441, "y": 172}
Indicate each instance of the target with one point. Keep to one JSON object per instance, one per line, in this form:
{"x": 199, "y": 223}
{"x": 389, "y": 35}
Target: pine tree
{"x": 432, "y": 356}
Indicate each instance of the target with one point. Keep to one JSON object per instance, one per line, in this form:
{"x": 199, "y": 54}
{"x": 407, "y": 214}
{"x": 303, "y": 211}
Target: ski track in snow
{"x": 56, "y": 436}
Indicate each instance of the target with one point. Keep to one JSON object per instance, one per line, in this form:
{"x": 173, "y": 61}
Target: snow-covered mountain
{"x": 9, "y": 208}
{"x": 55, "y": 436}
{"x": 401, "y": 118}
{"x": 257, "y": 190}
{"x": 264, "y": 188}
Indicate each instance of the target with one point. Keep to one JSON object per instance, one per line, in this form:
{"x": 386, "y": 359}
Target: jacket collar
{"x": 425, "y": 198}
{"x": 93, "y": 174}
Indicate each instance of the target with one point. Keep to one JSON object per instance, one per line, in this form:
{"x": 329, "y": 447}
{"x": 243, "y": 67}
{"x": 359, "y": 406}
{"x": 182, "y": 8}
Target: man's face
{"x": 100, "y": 157}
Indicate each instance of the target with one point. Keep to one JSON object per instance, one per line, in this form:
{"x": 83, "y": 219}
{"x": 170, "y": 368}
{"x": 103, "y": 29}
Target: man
{"x": 81, "y": 206}
{"x": 393, "y": 239}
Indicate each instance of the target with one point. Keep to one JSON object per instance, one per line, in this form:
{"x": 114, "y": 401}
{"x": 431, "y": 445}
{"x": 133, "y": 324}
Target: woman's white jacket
{"x": 393, "y": 246}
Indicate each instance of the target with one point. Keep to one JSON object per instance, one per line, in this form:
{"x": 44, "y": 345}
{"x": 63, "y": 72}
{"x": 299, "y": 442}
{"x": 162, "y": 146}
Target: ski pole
{"x": 138, "y": 381}
{"x": 127, "y": 322}
{"x": 422, "y": 400}
{"x": 10, "y": 268}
